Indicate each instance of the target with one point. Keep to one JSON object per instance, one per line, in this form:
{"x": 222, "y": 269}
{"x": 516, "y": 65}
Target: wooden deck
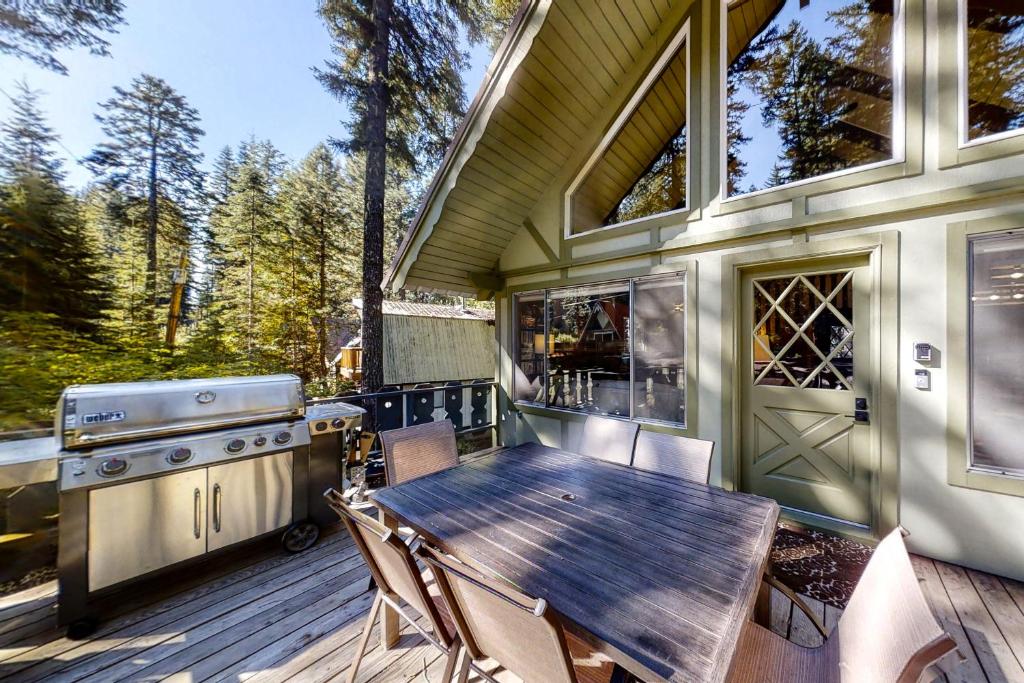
{"x": 272, "y": 617}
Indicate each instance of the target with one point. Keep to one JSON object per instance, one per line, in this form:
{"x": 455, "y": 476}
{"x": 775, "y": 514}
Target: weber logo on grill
{"x": 98, "y": 418}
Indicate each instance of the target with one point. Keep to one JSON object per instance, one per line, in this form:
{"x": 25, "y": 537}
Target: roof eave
{"x": 526, "y": 16}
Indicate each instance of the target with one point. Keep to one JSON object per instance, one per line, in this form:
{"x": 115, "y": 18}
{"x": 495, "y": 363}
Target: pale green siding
{"x": 421, "y": 349}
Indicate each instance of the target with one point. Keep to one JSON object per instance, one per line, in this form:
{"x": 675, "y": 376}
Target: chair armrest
{"x": 796, "y": 600}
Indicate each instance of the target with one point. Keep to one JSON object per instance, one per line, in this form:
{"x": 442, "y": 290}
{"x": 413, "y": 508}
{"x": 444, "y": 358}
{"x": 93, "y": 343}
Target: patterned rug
{"x": 818, "y": 564}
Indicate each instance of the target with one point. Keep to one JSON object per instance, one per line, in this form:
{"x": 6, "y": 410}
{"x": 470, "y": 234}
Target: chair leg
{"x": 365, "y": 638}
{"x": 466, "y": 661}
{"x": 453, "y": 658}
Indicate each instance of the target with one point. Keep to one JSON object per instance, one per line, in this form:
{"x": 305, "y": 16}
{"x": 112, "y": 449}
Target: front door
{"x": 807, "y": 387}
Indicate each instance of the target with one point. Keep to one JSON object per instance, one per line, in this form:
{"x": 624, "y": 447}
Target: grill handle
{"x": 195, "y": 513}
{"x": 216, "y": 507}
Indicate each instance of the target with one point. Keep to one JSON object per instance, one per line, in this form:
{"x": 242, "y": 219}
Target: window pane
{"x": 810, "y": 89}
{"x": 659, "y": 347}
{"x": 821, "y": 357}
{"x": 643, "y": 170}
{"x": 997, "y": 355}
{"x": 995, "y": 67}
{"x": 528, "y": 384}
{"x": 588, "y": 348}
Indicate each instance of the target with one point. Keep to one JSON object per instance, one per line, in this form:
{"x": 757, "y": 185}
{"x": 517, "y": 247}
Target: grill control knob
{"x": 281, "y": 438}
{"x": 235, "y": 446}
{"x": 113, "y": 467}
{"x": 259, "y": 441}
{"x": 320, "y": 426}
{"x": 179, "y": 456}
{"x": 337, "y": 423}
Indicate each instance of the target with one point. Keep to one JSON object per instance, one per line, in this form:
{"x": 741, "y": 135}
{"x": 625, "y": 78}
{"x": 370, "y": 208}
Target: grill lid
{"x": 93, "y": 414}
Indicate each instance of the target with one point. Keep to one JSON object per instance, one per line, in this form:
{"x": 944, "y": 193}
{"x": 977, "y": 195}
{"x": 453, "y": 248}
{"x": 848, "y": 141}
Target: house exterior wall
{"x": 911, "y": 207}
{"x": 419, "y": 349}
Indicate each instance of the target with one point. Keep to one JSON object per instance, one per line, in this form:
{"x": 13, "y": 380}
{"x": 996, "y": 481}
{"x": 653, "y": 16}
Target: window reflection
{"x": 809, "y": 89}
{"x": 528, "y": 384}
{"x": 997, "y": 356}
{"x": 659, "y": 347}
{"x": 995, "y": 67}
{"x": 587, "y": 347}
{"x": 588, "y": 359}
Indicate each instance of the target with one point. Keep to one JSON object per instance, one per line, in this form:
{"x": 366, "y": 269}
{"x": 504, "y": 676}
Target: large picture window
{"x": 810, "y": 89}
{"x": 615, "y": 348}
{"x": 996, "y": 354}
{"x": 994, "y": 69}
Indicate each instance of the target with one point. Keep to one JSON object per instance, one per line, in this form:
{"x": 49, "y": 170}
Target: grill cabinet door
{"x": 249, "y": 498}
{"x": 141, "y": 526}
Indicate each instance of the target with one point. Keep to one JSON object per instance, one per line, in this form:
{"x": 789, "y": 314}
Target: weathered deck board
{"x": 297, "y": 618}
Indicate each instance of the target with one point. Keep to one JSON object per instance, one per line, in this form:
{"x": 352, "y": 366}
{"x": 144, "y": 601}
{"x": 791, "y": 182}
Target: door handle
{"x": 216, "y": 507}
{"x": 196, "y": 531}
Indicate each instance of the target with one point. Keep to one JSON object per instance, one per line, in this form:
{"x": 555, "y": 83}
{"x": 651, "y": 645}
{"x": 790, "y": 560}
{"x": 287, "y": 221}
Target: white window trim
{"x": 681, "y": 38}
{"x": 899, "y": 112}
{"x": 630, "y": 283}
{"x": 963, "y": 126}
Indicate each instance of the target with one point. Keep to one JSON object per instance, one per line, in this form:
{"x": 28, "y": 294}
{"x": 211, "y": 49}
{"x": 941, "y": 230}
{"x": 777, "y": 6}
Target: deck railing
{"x": 469, "y": 404}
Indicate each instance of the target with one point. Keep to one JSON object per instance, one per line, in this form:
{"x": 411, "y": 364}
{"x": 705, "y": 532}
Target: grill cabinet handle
{"x": 195, "y": 513}
{"x": 216, "y": 507}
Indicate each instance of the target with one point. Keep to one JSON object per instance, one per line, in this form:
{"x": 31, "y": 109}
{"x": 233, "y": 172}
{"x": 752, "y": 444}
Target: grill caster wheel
{"x": 81, "y": 629}
{"x": 300, "y": 536}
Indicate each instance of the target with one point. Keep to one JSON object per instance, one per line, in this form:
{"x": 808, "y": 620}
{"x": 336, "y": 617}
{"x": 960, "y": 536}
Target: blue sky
{"x": 245, "y": 65}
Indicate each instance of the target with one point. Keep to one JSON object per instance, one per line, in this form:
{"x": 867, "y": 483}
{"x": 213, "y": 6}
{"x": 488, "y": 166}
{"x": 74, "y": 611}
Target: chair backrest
{"x": 608, "y": 439}
{"x": 887, "y": 632}
{"x": 390, "y": 561}
{"x": 495, "y": 621}
{"x": 419, "y": 450}
{"x": 678, "y": 456}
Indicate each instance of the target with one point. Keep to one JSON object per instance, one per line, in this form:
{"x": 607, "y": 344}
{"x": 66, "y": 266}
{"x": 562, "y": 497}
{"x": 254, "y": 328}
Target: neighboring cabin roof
{"x": 414, "y": 309}
{"x": 561, "y": 71}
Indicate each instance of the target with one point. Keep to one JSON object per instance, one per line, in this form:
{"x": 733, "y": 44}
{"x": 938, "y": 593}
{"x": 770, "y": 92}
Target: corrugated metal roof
{"x": 409, "y": 308}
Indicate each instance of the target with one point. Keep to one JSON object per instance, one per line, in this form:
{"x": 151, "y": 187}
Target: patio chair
{"x": 608, "y": 439}
{"x": 397, "y": 578}
{"x": 887, "y": 634}
{"x": 678, "y": 456}
{"x": 419, "y": 450}
{"x": 522, "y": 634}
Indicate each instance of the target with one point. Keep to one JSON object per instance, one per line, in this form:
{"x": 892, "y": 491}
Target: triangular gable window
{"x": 640, "y": 168}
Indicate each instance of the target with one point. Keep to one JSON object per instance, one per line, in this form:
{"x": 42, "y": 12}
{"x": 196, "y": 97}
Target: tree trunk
{"x": 250, "y": 284}
{"x": 378, "y": 100}
{"x": 152, "y": 218}
{"x": 322, "y": 302}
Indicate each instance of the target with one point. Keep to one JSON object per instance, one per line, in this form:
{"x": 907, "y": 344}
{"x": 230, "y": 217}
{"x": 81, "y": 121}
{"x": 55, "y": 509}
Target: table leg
{"x": 389, "y": 625}
{"x": 763, "y": 606}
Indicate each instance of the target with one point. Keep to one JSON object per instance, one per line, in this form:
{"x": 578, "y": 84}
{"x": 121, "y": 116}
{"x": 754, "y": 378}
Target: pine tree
{"x": 319, "y": 221}
{"x": 47, "y": 263}
{"x": 152, "y": 153}
{"x": 36, "y": 30}
{"x": 247, "y": 229}
{"x": 404, "y": 88}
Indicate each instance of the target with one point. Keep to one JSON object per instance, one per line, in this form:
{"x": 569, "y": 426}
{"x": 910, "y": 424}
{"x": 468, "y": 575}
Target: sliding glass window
{"x": 810, "y": 88}
{"x": 613, "y": 349}
{"x": 996, "y": 356}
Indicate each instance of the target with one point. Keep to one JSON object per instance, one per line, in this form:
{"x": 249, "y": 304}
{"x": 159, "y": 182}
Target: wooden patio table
{"x": 658, "y": 573}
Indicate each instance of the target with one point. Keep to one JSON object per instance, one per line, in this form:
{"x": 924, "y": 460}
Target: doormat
{"x": 817, "y": 564}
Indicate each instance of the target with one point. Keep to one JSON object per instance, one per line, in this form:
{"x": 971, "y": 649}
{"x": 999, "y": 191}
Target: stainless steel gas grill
{"x": 153, "y": 475}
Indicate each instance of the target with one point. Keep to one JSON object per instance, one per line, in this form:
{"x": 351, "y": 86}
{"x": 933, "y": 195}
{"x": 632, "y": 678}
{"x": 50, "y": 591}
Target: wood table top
{"x": 659, "y": 573}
